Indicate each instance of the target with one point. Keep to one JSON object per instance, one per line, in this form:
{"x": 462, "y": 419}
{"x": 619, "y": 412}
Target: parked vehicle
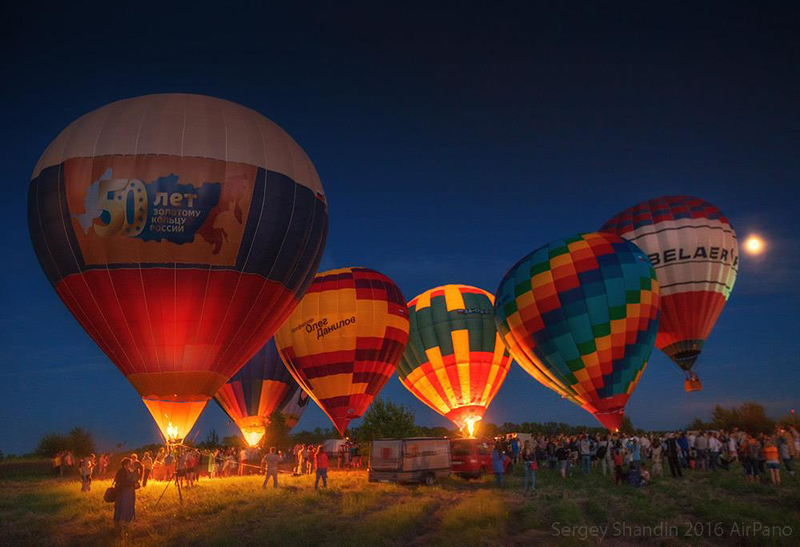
{"x": 421, "y": 460}
{"x": 471, "y": 458}
{"x": 333, "y": 446}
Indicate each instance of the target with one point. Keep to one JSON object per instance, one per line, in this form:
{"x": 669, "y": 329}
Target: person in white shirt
{"x": 732, "y": 449}
{"x": 714, "y": 447}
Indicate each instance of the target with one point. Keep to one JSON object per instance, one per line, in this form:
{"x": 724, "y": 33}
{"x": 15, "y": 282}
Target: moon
{"x": 754, "y": 245}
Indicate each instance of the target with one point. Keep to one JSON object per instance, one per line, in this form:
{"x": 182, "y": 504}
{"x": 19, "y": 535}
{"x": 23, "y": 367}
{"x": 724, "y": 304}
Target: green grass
{"x": 236, "y": 511}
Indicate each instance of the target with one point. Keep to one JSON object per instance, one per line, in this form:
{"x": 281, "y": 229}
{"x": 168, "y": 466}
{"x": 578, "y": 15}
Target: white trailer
{"x": 420, "y": 460}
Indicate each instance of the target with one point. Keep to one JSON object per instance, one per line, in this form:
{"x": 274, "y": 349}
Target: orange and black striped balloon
{"x": 344, "y": 339}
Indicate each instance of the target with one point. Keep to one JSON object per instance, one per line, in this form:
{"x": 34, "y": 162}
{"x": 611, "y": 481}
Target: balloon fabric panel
{"x": 581, "y": 315}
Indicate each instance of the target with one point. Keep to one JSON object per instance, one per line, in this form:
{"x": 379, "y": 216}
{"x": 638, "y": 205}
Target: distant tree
{"x": 51, "y": 444}
{"x": 1, "y": 455}
{"x": 234, "y": 441}
{"x": 385, "y": 419}
{"x": 211, "y": 440}
{"x": 749, "y": 417}
{"x": 487, "y": 429}
{"x": 423, "y": 431}
{"x": 626, "y": 426}
{"x": 80, "y": 441}
{"x": 317, "y": 436}
{"x": 789, "y": 420}
{"x": 699, "y": 425}
{"x": 277, "y": 431}
{"x": 509, "y": 427}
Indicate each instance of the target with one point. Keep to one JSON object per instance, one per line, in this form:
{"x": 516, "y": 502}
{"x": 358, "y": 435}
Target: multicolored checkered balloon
{"x": 580, "y": 315}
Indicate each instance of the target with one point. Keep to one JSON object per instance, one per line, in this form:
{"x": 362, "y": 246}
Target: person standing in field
{"x": 585, "y": 449}
{"x": 619, "y": 474}
{"x": 180, "y": 469}
{"x": 772, "y": 461}
{"x": 85, "y": 467}
{"x": 733, "y": 453}
{"x": 309, "y": 457}
{"x": 57, "y": 463}
{"x": 530, "y": 465}
{"x": 562, "y": 455}
{"x": 147, "y": 466}
{"x": 321, "y": 463}
{"x": 125, "y": 482}
{"x": 786, "y": 455}
{"x": 673, "y": 456}
{"x": 212, "y": 463}
{"x": 300, "y": 464}
{"x": 105, "y": 458}
{"x": 515, "y": 449}
{"x": 498, "y": 463}
{"x": 656, "y": 448}
{"x": 600, "y": 455}
{"x": 137, "y": 466}
{"x": 270, "y": 462}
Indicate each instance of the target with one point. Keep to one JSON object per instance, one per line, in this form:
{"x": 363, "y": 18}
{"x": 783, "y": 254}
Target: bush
{"x": 385, "y": 419}
{"x": 78, "y": 440}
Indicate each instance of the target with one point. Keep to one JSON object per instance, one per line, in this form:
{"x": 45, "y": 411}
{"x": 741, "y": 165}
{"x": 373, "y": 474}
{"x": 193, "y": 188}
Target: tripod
{"x": 173, "y": 477}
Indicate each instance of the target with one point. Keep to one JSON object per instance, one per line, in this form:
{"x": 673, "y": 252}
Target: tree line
{"x": 385, "y": 419}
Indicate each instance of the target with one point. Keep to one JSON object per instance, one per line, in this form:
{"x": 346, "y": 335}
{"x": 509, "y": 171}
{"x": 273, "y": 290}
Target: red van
{"x": 471, "y": 458}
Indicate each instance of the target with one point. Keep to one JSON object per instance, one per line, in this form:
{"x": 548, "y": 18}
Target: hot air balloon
{"x": 293, "y": 408}
{"x": 257, "y": 390}
{"x": 694, "y": 251}
{"x": 180, "y": 231}
{"x": 455, "y": 361}
{"x": 581, "y": 315}
{"x": 343, "y": 341}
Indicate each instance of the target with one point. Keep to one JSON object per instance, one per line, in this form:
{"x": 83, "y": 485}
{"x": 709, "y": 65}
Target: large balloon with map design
{"x": 180, "y": 231}
{"x": 694, "y": 251}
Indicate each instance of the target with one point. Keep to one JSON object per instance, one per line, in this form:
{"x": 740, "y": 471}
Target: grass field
{"x": 704, "y": 507}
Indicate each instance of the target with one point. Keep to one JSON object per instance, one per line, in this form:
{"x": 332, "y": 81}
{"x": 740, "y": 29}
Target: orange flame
{"x": 470, "y": 423}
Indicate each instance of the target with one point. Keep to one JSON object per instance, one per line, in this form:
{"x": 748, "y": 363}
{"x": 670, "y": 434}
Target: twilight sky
{"x": 450, "y": 143}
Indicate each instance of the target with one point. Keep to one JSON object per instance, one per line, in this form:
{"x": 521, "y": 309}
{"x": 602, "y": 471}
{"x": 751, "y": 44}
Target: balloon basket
{"x": 692, "y": 384}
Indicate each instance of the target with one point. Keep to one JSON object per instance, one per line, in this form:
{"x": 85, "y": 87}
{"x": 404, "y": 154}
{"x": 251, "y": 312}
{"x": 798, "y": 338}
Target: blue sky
{"x": 450, "y": 144}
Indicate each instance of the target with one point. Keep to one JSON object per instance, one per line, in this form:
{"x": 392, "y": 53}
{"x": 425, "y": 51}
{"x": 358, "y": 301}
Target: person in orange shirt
{"x": 773, "y": 462}
{"x": 321, "y": 458}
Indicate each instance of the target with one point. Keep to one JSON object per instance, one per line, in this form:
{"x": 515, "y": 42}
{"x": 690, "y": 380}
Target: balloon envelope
{"x": 694, "y": 251}
{"x": 455, "y": 361}
{"x": 293, "y": 408}
{"x": 580, "y": 315}
{"x": 257, "y": 390}
{"x": 343, "y": 341}
{"x": 180, "y": 231}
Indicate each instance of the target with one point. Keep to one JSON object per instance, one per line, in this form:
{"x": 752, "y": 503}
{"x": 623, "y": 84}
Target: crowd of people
{"x": 65, "y": 463}
{"x": 636, "y": 459}
{"x": 625, "y": 459}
